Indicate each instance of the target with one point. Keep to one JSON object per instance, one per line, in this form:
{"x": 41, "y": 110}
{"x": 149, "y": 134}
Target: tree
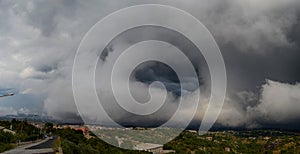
{"x": 48, "y": 127}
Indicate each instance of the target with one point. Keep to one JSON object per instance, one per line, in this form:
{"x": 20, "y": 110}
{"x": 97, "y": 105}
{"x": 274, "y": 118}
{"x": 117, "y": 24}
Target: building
{"x": 209, "y": 138}
{"x": 39, "y": 125}
{"x": 267, "y": 138}
{"x": 227, "y": 149}
{"x": 150, "y": 147}
{"x": 85, "y": 130}
{"x": 7, "y": 130}
{"x": 193, "y": 131}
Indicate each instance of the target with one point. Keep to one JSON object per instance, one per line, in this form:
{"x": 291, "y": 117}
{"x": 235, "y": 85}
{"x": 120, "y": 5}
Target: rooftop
{"x": 147, "y": 146}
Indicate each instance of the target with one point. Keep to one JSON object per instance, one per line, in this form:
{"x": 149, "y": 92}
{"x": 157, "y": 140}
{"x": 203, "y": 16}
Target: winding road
{"x": 43, "y": 147}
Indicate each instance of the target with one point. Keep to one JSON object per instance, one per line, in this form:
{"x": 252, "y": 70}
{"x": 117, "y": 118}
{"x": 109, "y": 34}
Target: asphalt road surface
{"x": 43, "y": 147}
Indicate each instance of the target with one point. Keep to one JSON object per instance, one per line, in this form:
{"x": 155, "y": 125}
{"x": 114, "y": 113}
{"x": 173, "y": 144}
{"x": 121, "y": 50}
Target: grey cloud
{"x": 251, "y": 26}
{"x": 45, "y": 15}
{"x": 258, "y": 39}
{"x": 7, "y": 111}
{"x": 59, "y": 103}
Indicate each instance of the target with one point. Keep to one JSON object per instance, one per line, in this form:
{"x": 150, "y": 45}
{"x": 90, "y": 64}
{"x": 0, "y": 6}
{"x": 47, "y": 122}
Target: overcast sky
{"x": 259, "y": 40}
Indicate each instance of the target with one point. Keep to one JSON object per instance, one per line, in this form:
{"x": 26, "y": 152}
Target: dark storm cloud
{"x": 157, "y": 71}
{"x": 262, "y": 45}
{"x": 72, "y": 117}
{"x": 259, "y": 40}
{"x": 47, "y": 68}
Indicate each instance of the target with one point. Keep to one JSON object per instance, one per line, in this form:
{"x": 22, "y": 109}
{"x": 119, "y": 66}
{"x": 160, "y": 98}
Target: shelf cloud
{"x": 259, "y": 41}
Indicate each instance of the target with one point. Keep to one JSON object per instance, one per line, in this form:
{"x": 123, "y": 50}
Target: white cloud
{"x": 280, "y": 103}
{"x": 24, "y": 110}
{"x": 26, "y": 91}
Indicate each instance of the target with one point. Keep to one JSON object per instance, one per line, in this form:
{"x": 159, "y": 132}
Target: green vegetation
{"x": 5, "y": 141}
{"x": 236, "y": 142}
{"x": 256, "y": 141}
{"x": 73, "y": 142}
{"x": 23, "y": 132}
